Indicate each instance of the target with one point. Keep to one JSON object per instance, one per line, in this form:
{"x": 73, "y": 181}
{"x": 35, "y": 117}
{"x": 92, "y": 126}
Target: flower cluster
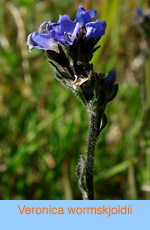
{"x": 70, "y": 44}
{"x": 66, "y": 31}
{"x": 69, "y": 47}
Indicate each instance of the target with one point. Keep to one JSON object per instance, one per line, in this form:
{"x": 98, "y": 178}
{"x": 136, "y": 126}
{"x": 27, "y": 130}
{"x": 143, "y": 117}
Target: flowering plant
{"x": 69, "y": 47}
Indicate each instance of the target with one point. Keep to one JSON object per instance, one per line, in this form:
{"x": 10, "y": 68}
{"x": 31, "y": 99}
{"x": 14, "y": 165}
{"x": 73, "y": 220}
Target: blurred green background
{"x": 44, "y": 128}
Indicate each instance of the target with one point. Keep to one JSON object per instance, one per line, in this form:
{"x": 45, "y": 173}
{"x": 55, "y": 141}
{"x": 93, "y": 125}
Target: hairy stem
{"x": 95, "y": 119}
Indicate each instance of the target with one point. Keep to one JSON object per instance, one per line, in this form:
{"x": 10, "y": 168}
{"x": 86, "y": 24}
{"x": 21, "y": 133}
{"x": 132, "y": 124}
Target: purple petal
{"x": 76, "y": 30}
{"x": 96, "y": 29}
{"x": 89, "y": 15}
{"x": 42, "y": 41}
{"x": 45, "y": 27}
{"x": 66, "y": 24}
{"x": 81, "y": 11}
{"x": 61, "y": 38}
{"x": 83, "y": 16}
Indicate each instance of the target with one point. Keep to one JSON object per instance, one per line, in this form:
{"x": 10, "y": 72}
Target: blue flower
{"x": 139, "y": 11}
{"x": 66, "y": 31}
{"x": 43, "y": 39}
{"x": 83, "y": 16}
{"x": 111, "y": 87}
{"x": 95, "y": 29}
